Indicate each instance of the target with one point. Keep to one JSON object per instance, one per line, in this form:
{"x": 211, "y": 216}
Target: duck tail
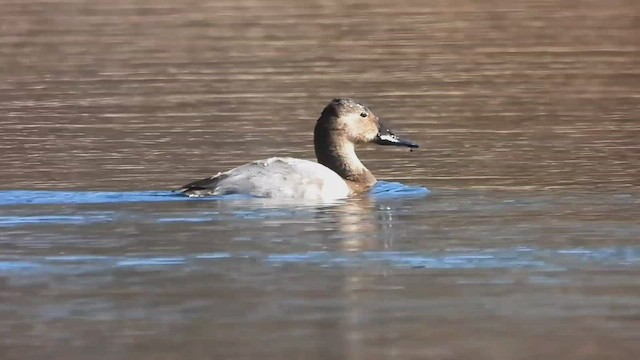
{"x": 204, "y": 187}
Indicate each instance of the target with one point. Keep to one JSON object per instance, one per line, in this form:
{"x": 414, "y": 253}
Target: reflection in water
{"x": 357, "y": 225}
{"x": 527, "y": 247}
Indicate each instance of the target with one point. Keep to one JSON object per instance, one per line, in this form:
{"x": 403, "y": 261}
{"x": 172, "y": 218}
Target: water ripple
{"x": 507, "y": 258}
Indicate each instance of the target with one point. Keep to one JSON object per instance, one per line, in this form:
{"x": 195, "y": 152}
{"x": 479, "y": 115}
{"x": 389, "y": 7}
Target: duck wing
{"x": 203, "y": 187}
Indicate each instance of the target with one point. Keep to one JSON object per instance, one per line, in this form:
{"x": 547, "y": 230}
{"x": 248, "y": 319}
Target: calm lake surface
{"x": 527, "y": 247}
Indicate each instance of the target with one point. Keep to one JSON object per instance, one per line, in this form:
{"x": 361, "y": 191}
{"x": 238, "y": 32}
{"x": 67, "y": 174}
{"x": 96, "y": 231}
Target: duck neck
{"x": 340, "y": 156}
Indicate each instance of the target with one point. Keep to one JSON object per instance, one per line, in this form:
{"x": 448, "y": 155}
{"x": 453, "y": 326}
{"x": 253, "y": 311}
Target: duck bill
{"x": 387, "y": 137}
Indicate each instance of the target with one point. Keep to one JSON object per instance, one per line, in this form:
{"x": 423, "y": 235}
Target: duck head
{"x": 356, "y": 123}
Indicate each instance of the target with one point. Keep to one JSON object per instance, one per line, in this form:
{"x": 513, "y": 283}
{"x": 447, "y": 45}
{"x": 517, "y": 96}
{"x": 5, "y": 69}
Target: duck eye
{"x": 363, "y": 114}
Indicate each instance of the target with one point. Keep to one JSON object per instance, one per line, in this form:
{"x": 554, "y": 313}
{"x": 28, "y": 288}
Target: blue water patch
{"x": 393, "y": 190}
{"x": 8, "y": 266}
{"x": 6, "y": 221}
{"x": 188, "y": 219}
{"x": 215, "y": 255}
{"x": 47, "y": 197}
{"x": 382, "y": 189}
{"x": 153, "y": 261}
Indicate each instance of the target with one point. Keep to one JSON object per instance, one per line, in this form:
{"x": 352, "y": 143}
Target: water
{"x": 527, "y": 114}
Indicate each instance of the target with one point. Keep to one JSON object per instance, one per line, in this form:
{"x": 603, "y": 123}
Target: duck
{"x": 338, "y": 174}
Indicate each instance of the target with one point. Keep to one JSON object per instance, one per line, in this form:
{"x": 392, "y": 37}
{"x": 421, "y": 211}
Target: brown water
{"x": 528, "y": 114}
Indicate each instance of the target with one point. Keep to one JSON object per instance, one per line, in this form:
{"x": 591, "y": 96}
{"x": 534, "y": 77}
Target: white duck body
{"x": 279, "y": 178}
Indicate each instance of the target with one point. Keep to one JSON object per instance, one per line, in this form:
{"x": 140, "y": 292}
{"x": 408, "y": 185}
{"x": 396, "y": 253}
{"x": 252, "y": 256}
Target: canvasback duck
{"x": 337, "y": 174}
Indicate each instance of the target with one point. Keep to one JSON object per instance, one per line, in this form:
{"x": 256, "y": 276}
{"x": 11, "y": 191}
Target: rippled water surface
{"x": 526, "y": 247}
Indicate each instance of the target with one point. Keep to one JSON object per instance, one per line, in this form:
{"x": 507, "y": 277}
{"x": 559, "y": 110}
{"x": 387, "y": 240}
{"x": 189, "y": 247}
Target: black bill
{"x": 387, "y": 137}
